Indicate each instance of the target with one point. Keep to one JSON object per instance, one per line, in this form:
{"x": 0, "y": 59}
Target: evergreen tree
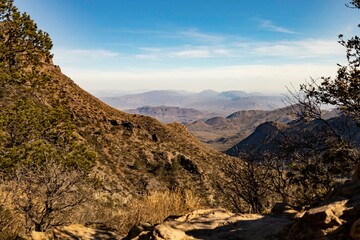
{"x": 22, "y": 45}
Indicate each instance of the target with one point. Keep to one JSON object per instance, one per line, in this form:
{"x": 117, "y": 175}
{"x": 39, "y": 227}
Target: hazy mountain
{"x": 222, "y": 133}
{"x": 167, "y": 114}
{"x": 209, "y": 101}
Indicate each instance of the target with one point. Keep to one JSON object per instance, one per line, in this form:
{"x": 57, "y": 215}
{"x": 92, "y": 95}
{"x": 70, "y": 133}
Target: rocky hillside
{"x": 67, "y": 157}
{"x": 135, "y": 154}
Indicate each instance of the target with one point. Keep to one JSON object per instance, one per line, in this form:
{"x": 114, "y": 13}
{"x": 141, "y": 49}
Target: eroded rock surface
{"x": 337, "y": 218}
{"x": 217, "y": 224}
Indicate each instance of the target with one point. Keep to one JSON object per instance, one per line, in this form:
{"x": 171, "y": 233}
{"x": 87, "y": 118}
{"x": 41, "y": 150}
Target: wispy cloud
{"x": 182, "y": 52}
{"x": 189, "y": 34}
{"x": 270, "y": 26}
{"x": 246, "y": 50}
{"x": 306, "y": 48}
{"x": 285, "y": 50}
{"x": 200, "y": 36}
{"x": 195, "y": 53}
{"x": 74, "y": 54}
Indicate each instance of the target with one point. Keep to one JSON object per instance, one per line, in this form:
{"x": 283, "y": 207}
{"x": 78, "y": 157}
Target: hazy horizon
{"x": 115, "y": 93}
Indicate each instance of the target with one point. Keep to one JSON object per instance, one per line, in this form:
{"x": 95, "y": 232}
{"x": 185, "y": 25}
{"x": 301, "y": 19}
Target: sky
{"x": 138, "y": 45}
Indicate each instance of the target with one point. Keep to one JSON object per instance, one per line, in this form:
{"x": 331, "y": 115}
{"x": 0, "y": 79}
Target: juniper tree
{"x": 22, "y": 45}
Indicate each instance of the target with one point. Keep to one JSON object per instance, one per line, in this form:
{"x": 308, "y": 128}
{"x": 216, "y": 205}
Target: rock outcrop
{"x": 75, "y": 231}
{"x": 215, "y": 224}
{"x": 337, "y": 218}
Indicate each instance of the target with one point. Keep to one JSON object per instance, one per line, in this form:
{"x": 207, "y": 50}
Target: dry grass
{"x": 156, "y": 207}
{"x": 116, "y": 214}
{"x": 152, "y": 208}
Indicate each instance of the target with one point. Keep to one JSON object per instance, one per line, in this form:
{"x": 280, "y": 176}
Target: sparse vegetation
{"x": 47, "y": 195}
{"x": 9, "y": 226}
{"x": 32, "y": 134}
{"x": 152, "y": 208}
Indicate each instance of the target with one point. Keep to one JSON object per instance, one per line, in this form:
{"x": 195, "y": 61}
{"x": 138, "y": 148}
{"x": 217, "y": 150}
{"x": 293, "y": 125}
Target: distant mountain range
{"x": 222, "y": 133}
{"x": 208, "y": 101}
{"x": 167, "y": 114}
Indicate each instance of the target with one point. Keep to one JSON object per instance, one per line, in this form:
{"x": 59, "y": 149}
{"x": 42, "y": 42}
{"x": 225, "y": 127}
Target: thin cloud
{"x": 190, "y": 34}
{"x": 298, "y": 49}
{"x": 270, "y": 26}
{"x": 190, "y": 52}
{"x": 196, "y": 53}
{"x": 199, "y": 36}
{"x": 73, "y": 54}
{"x": 285, "y": 50}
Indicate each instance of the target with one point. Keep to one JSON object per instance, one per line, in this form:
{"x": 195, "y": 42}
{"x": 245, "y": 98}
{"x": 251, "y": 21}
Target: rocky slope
{"x": 135, "y": 154}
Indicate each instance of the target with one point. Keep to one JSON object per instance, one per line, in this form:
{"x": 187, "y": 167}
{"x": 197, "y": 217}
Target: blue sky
{"x": 132, "y": 45}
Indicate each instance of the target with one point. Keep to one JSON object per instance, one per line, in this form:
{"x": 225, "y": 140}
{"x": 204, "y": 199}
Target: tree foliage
{"x": 22, "y": 45}
{"x": 32, "y": 134}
